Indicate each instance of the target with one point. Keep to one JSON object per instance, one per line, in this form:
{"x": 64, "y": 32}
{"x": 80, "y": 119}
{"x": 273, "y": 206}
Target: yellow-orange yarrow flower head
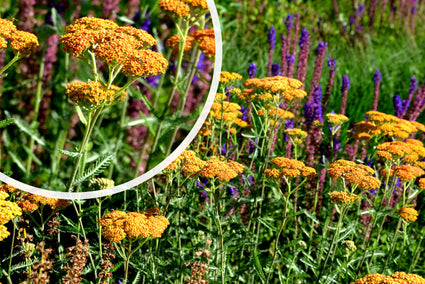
{"x": 356, "y": 174}
{"x": 20, "y": 41}
{"x": 408, "y": 214}
{"x": 289, "y": 168}
{"x": 126, "y": 46}
{"x": 396, "y": 278}
{"x": 118, "y": 225}
{"x": 92, "y": 93}
{"x": 183, "y": 8}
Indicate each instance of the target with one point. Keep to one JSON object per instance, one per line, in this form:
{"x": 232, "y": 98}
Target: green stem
{"x": 36, "y": 111}
{"x": 393, "y": 243}
{"x": 89, "y": 128}
{"x": 336, "y": 235}
{"x": 11, "y": 62}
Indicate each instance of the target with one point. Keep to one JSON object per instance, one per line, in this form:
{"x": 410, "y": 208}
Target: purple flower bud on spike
{"x": 275, "y": 69}
{"x": 289, "y": 22}
{"x": 272, "y": 37}
{"x": 351, "y": 19}
{"x": 331, "y": 63}
{"x": 232, "y": 191}
{"x": 252, "y": 145}
{"x": 360, "y": 10}
{"x": 203, "y": 196}
{"x": 308, "y": 113}
{"x": 290, "y": 59}
{"x": 377, "y": 77}
{"x": 317, "y": 101}
{"x": 345, "y": 83}
{"x": 398, "y": 105}
{"x": 321, "y": 46}
{"x": 252, "y": 70}
{"x": 244, "y": 111}
{"x": 303, "y": 38}
{"x": 146, "y": 25}
{"x": 413, "y": 84}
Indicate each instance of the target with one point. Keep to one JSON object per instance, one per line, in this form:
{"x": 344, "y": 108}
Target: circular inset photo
{"x": 97, "y": 96}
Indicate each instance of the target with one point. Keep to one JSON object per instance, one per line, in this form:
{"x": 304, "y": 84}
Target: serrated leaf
{"x": 70, "y": 153}
{"x": 97, "y": 168}
{"x": 26, "y": 128}
{"x": 258, "y": 267}
{"x": 6, "y": 122}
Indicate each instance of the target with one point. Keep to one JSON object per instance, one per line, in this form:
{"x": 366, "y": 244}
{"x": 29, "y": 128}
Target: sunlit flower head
{"x": 7, "y": 188}
{"x": 23, "y": 42}
{"x": 289, "y": 168}
{"x": 409, "y": 214}
{"x": 356, "y": 174}
{"x": 206, "y": 40}
{"x": 408, "y": 172}
{"x": 396, "y": 277}
{"x": 31, "y": 202}
{"x": 92, "y": 93}
{"x": 221, "y": 169}
{"x": 174, "y": 43}
{"x": 228, "y": 77}
{"x": 144, "y": 63}
{"x": 118, "y": 225}
{"x": 8, "y": 209}
{"x": 335, "y": 119}
{"x": 6, "y": 28}
{"x": 344, "y": 197}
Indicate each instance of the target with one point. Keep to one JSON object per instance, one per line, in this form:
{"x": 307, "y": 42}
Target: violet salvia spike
{"x": 412, "y": 89}
{"x": 332, "y": 67}
{"x": 296, "y": 34}
{"x": 377, "y": 78}
{"x": 318, "y": 65}
{"x": 290, "y": 60}
{"x": 303, "y": 55}
{"x": 275, "y": 69}
{"x": 344, "y": 89}
{"x": 283, "y": 52}
{"x": 398, "y": 106}
{"x": 252, "y": 70}
{"x": 272, "y": 43}
{"x": 415, "y": 109}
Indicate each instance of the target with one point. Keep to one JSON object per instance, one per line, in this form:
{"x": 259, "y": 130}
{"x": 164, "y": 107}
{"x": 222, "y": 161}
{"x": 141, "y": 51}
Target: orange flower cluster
{"x": 411, "y": 150}
{"x": 115, "y": 45}
{"x": 386, "y": 125}
{"x": 287, "y": 88}
{"x": 289, "y": 168}
{"x": 31, "y": 202}
{"x": 7, "y": 188}
{"x": 408, "y": 172}
{"x": 276, "y": 113}
{"x": 205, "y": 39}
{"x": 395, "y": 278}
{"x": 92, "y": 93}
{"x": 408, "y": 214}
{"x": 118, "y": 225}
{"x": 183, "y": 8}
{"x": 335, "y": 119}
{"x": 215, "y": 167}
{"x": 359, "y": 175}
{"x": 344, "y": 197}
{"x": 20, "y": 41}
{"x": 229, "y": 77}
{"x": 218, "y": 168}
{"x": 228, "y": 112}
{"x": 8, "y": 211}
{"x": 296, "y": 135}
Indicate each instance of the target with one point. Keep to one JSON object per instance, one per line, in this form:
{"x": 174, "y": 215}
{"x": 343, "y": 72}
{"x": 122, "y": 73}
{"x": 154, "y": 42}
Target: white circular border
{"x": 132, "y": 183}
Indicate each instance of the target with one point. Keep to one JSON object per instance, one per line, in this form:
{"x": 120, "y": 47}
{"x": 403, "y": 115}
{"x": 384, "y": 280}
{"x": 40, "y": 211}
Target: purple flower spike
{"x": 331, "y": 63}
{"x": 308, "y": 113}
{"x": 360, "y": 10}
{"x": 345, "y": 83}
{"x": 344, "y": 89}
{"x": 232, "y": 191}
{"x": 203, "y": 196}
{"x": 289, "y": 22}
{"x": 398, "y": 105}
{"x": 275, "y": 69}
{"x": 317, "y": 103}
{"x": 303, "y": 38}
{"x": 377, "y": 77}
{"x": 412, "y": 89}
{"x": 272, "y": 37}
{"x": 252, "y": 70}
{"x": 321, "y": 47}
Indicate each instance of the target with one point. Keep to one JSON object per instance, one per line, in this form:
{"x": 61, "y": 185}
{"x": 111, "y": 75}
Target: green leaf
{"x": 26, "y": 128}
{"x": 6, "y": 122}
{"x": 258, "y": 267}
{"x": 57, "y": 21}
{"x": 70, "y": 153}
{"x": 97, "y": 168}
{"x": 17, "y": 161}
